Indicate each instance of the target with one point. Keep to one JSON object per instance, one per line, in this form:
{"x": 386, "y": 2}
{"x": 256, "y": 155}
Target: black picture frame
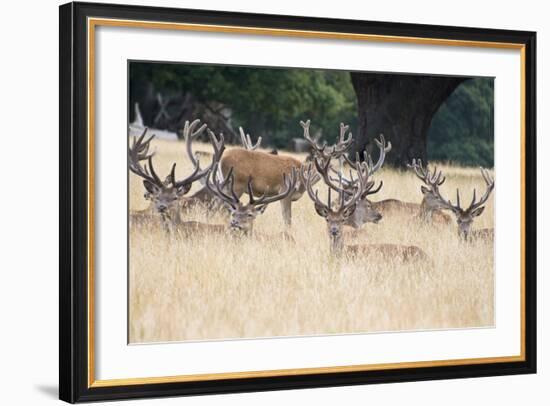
{"x": 74, "y": 199}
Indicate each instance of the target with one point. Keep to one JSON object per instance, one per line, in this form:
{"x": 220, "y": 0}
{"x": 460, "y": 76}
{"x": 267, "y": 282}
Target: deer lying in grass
{"x": 465, "y": 217}
{"x": 365, "y": 211}
{"x": 244, "y": 214}
{"x": 165, "y": 196}
{"x": 429, "y": 210}
{"x": 336, "y": 218}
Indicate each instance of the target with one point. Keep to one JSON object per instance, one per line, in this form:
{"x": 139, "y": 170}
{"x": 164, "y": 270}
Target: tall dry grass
{"x": 213, "y": 287}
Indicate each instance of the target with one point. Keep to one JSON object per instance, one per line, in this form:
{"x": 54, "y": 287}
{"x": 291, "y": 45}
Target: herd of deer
{"x": 270, "y": 177}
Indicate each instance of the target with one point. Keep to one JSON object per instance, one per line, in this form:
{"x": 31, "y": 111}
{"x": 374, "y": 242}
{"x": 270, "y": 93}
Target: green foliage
{"x": 265, "y": 101}
{"x": 462, "y": 131}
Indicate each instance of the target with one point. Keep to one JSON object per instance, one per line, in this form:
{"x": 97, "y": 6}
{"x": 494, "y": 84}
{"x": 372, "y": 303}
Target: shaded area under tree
{"x": 402, "y": 108}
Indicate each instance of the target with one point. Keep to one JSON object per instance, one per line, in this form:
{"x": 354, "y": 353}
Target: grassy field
{"x": 212, "y": 287}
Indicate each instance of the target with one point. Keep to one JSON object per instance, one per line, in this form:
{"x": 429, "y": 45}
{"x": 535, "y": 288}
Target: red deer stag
{"x": 336, "y": 218}
{"x": 465, "y": 217}
{"x": 165, "y": 195}
{"x": 430, "y": 208}
{"x": 244, "y": 214}
{"x": 428, "y": 211}
{"x": 364, "y": 211}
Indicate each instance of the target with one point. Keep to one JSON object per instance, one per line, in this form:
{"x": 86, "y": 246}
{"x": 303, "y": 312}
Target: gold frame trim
{"x": 94, "y": 22}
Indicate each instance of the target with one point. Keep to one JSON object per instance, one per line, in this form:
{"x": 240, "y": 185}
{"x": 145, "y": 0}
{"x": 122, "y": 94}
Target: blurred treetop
{"x": 270, "y": 102}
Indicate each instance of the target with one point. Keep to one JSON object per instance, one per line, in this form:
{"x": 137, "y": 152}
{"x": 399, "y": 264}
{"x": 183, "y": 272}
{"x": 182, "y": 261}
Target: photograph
{"x": 269, "y": 202}
{"x": 255, "y": 201}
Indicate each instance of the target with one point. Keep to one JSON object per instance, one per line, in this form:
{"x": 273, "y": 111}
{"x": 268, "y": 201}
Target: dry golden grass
{"x": 212, "y": 287}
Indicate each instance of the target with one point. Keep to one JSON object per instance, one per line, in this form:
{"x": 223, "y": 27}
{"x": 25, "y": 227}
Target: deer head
{"x": 345, "y": 207}
{"x": 364, "y": 211}
{"x": 244, "y": 214}
{"x": 165, "y": 195}
{"x": 432, "y": 180}
{"x": 465, "y": 217}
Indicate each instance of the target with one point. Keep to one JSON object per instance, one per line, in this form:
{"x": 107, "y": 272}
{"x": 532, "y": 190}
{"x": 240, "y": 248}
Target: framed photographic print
{"x": 258, "y": 202}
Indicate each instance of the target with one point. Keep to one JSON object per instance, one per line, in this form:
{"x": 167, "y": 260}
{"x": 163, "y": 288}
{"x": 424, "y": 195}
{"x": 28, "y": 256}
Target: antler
{"x": 324, "y": 151}
{"x": 190, "y": 134}
{"x": 362, "y": 187}
{"x": 247, "y": 142}
{"x": 139, "y": 151}
{"x": 382, "y": 146}
{"x": 349, "y": 185}
{"x": 490, "y": 183}
{"x": 216, "y": 187}
{"x": 289, "y": 182}
{"x": 307, "y": 176}
{"x": 433, "y": 180}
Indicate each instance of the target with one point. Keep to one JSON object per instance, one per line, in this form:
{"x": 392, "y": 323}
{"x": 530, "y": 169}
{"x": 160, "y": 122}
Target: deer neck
{"x": 167, "y": 224}
{"x": 426, "y": 212}
{"x": 336, "y": 244}
{"x": 241, "y": 233}
{"x": 176, "y": 215}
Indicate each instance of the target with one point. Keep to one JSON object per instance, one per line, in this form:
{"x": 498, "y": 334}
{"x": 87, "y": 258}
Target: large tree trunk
{"x": 401, "y": 107}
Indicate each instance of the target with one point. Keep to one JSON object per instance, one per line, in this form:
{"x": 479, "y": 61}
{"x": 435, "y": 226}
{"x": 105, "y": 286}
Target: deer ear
{"x": 349, "y": 211}
{"x": 478, "y": 211}
{"x": 183, "y": 189}
{"x": 424, "y": 190}
{"x": 150, "y": 187}
{"x": 261, "y": 209}
{"x": 321, "y": 211}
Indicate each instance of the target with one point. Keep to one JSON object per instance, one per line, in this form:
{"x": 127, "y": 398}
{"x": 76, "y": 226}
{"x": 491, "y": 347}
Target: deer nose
{"x": 334, "y": 231}
{"x": 233, "y": 223}
{"x": 162, "y": 208}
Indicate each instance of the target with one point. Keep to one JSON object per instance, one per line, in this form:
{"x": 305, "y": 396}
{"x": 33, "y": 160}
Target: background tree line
{"x": 446, "y": 119}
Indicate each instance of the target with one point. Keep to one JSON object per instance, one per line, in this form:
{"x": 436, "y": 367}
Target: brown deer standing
{"x": 268, "y": 170}
{"x": 336, "y": 218}
{"x": 203, "y": 197}
{"x": 465, "y": 217}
